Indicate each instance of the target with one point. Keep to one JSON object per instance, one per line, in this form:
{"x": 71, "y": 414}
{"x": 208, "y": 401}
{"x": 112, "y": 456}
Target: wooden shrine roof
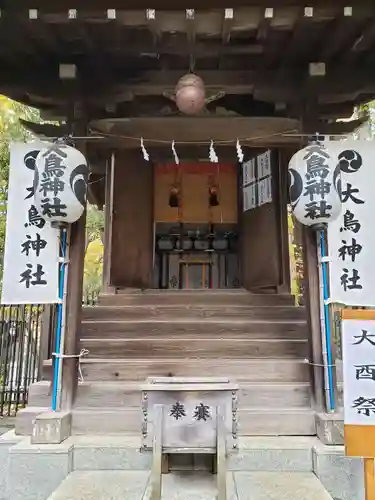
{"x": 268, "y": 59}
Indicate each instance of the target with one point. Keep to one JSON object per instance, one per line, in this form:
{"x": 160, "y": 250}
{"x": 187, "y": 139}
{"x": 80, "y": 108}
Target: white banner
{"x": 31, "y": 244}
{"x": 351, "y": 237}
{"x": 358, "y": 343}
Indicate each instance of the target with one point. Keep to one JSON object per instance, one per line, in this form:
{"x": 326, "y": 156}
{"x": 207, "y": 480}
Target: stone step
{"x": 247, "y": 370}
{"x": 251, "y": 422}
{"x": 99, "y": 485}
{"x": 278, "y": 485}
{"x": 194, "y": 348}
{"x": 122, "y": 452}
{"x": 132, "y": 485}
{"x": 26, "y": 417}
{"x": 188, "y": 328}
{"x": 102, "y": 313}
{"x": 121, "y": 395}
{"x": 192, "y": 297}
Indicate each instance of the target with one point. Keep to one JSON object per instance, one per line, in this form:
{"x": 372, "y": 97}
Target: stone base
{"x": 330, "y": 428}
{"x": 342, "y": 476}
{"x": 283, "y": 465}
{"x": 119, "y": 485}
{"x": 51, "y": 428}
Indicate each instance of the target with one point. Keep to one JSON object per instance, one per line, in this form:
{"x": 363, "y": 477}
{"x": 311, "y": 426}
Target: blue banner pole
{"x": 328, "y": 333}
{"x": 57, "y": 360}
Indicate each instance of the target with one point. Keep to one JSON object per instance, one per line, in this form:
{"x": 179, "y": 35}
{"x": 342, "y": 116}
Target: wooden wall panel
{"x": 260, "y": 242}
{"x": 164, "y": 180}
{"x": 194, "y": 181}
{"x": 195, "y": 197}
{"x": 132, "y": 231}
{"x": 227, "y": 211}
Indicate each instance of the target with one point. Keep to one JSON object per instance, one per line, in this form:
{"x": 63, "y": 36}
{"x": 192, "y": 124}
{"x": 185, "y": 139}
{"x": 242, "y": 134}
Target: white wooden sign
{"x": 248, "y": 169}
{"x": 257, "y": 181}
{"x": 264, "y": 191}
{"x": 249, "y": 197}
{"x": 351, "y": 237}
{"x": 31, "y": 256}
{"x": 358, "y": 339}
{"x": 264, "y": 164}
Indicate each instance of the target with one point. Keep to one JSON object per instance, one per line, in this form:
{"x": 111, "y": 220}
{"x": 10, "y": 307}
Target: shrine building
{"x": 197, "y": 278}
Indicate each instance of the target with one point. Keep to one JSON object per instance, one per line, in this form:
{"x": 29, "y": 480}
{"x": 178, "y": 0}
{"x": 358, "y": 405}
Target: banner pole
{"x": 325, "y": 323}
{"x": 57, "y": 368}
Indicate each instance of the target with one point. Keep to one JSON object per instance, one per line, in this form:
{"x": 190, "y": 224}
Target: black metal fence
{"x": 20, "y": 354}
{"x": 27, "y": 338}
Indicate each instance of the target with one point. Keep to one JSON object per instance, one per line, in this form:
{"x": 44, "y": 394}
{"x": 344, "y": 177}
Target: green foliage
{"x": 10, "y": 130}
{"x": 94, "y": 224}
{"x": 92, "y": 282}
{"x": 94, "y": 253}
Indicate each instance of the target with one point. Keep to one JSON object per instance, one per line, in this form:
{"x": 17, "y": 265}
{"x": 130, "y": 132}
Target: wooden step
{"x": 253, "y": 370}
{"x": 101, "y": 313}
{"x": 191, "y": 297}
{"x": 255, "y": 422}
{"x": 233, "y": 328}
{"x": 128, "y": 394}
{"x": 195, "y": 348}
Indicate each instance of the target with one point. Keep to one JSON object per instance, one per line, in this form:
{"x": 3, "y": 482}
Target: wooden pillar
{"x": 312, "y": 299}
{"x": 283, "y": 159}
{"x": 73, "y": 311}
{"x": 108, "y": 222}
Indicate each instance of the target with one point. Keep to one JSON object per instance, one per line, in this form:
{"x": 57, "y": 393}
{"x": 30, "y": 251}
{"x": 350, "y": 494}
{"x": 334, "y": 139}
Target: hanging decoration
{"x": 176, "y": 158}
{"x": 60, "y": 184}
{"x": 146, "y": 156}
{"x": 190, "y": 94}
{"x": 315, "y": 186}
{"x": 240, "y": 154}
{"x": 212, "y": 155}
{"x": 174, "y": 197}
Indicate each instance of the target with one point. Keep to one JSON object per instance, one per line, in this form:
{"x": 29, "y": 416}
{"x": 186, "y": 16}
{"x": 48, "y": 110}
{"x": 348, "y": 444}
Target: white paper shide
{"x": 358, "y": 339}
{"x": 351, "y": 237}
{"x": 31, "y": 244}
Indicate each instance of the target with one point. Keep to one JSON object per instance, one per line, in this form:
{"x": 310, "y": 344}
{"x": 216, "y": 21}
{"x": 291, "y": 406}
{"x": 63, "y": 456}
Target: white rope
{"x": 82, "y": 354}
{"x": 317, "y": 364}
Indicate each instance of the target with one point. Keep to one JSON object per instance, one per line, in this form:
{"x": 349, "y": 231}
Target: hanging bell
{"x": 174, "y": 199}
{"x": 213, "y": 198}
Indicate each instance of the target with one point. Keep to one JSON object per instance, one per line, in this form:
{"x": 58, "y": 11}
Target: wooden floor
{"x": 260, "y": 341}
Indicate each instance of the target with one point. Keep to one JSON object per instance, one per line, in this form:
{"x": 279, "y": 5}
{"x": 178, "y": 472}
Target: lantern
{"x": 315, "y": 186}
{"x": 190, "y": 94}
{"x": 60, "y": 184}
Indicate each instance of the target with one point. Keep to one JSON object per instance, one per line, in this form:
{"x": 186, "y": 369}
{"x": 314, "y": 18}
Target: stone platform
{"x": 290, "y": 468}
{"x": 118, "y": 485}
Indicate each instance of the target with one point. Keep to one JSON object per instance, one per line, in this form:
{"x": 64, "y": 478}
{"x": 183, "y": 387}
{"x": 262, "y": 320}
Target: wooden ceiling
{"x": 287, "y": 60}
